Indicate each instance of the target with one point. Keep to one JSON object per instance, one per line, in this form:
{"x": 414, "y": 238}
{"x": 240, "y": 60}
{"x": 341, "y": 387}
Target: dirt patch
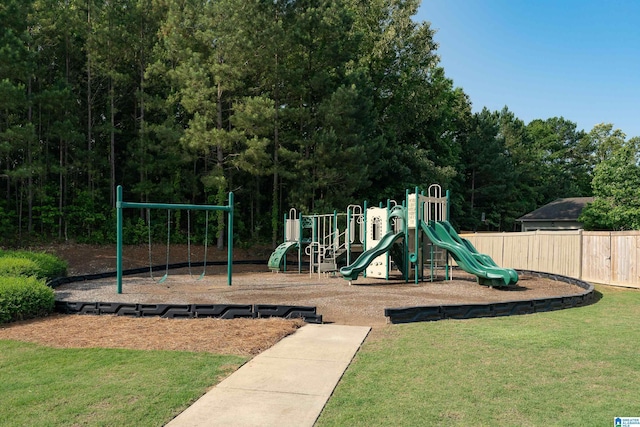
{"x": 361, "y": 303}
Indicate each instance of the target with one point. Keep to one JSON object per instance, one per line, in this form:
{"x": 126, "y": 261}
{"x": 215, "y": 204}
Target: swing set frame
{"x": 120, "y": 205}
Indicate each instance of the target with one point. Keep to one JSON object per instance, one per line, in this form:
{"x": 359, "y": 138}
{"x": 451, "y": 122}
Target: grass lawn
{"x": 577, "y": 367}
{"x": 102, "y": 387}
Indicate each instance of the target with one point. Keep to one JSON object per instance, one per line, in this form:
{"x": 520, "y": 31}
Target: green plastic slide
{"x": 487, "y": 275}
{"x": 278, "y": 255}
{"x": 351, "y": 272}
{"x": 483, "y": 258}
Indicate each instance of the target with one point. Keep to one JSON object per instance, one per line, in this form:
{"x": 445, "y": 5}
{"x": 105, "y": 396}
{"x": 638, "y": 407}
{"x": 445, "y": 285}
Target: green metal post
{"x": 431, "y": 262}
{"x": 335, "y": 240}
{"x": 284, "y": 230}
{"x": 300, "y": 228}
{"x": 364, "y": 224}
{"x": 386, "y": 274}
{"x": 119, "y": 237}
{"x": 314, "y": 243}
{"x": 407, "y": 262}
{"x": 447, "y": 209}
{"x": 347, "y": 239}
{"x": 284, "y": 260}
{"x": 415, "y": 233}
{"x": 230, "y": 241}
{"x": 422, "y": 240}
{"x": 446, "y": 274}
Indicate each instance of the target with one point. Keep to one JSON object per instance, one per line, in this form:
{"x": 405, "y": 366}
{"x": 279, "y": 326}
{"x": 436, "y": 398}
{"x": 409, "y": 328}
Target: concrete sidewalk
{"x": 286, "y": 385}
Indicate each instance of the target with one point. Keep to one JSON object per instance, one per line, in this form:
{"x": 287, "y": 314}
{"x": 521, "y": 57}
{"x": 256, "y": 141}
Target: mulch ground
{"x": 362, "y": 303}
{"x": 245, "y": 337}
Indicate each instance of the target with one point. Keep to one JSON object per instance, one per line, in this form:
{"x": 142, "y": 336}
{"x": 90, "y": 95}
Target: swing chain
{"x": 206, "y": 238}
{"x": 166, "y": 268}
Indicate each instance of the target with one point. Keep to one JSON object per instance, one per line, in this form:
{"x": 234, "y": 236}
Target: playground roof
{"x": 567, "y": 209}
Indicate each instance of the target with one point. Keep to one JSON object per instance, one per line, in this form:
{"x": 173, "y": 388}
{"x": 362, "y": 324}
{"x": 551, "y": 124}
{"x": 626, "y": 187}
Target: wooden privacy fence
{"x": 611, "y": 258}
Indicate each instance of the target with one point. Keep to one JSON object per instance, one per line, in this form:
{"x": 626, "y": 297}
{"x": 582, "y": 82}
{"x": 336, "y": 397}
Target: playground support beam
{"x": 416, "y": 246}
{"x": 389, "y": 228}
{"x": 446, "y": 271}
{"x": 284, "y": 258}
{"x": 347, "y": 238}
{"x": 364, "y": 243}
{"x": 300, "y": 230}
{"x": 120, "y": 205}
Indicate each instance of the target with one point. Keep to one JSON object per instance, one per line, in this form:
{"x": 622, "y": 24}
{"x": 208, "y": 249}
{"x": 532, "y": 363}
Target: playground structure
{"x": 120, "y": 205}
{"x": 413, "y": 237}
{"x": 325, "y": 238}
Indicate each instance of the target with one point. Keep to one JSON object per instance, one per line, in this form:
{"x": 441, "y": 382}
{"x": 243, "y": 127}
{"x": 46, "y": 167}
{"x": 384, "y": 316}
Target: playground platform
{"x": 286, "y": 385}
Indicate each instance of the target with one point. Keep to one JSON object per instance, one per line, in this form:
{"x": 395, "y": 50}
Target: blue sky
{"x": 579, "y": 59}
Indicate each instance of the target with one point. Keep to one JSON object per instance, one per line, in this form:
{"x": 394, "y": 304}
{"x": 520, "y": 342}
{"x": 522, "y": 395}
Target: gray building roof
{"x": 567, "y": 209}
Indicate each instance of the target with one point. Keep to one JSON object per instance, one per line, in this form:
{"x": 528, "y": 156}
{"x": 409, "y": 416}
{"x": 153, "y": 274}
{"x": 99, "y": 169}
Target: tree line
{"x": 312, "y": 104}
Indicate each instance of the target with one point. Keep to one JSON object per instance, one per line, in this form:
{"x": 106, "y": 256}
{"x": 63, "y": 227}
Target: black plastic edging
{"x": 220, "y": 311}
{"x": 508, "y": 308}
{"x": 190, "y": 311}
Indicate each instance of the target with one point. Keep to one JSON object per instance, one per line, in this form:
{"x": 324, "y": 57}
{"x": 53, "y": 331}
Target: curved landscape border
{"x": 508, "y": 308}
{"x": 179, "y": 311}
{"x": 309, "y": 314}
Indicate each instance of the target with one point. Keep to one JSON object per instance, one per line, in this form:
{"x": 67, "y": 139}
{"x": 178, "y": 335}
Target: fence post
{"x": 581, "y": 255}
{"x": 610, "y": 257}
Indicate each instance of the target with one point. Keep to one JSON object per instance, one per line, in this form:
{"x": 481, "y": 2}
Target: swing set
{"x": 120, "y": 205}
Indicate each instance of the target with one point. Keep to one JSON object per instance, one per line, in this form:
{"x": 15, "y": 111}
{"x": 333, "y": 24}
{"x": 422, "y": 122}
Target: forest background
{"x": 312, "y": 104}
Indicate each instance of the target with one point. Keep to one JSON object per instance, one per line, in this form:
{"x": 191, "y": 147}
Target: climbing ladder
{"x": 275, "y": 260}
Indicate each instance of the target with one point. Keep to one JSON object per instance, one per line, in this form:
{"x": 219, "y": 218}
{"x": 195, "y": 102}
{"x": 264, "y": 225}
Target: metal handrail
{"x": 309, "y": 250}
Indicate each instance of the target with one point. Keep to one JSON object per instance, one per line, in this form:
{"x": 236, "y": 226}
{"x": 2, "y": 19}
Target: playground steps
{"x": 327, "y": 267}
{"x": 330, "y": 263}
{"x": 436, "y": 254}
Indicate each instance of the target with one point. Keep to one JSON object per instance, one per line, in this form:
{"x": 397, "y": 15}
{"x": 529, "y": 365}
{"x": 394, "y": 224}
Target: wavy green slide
{"x": 488, "y": 275}
{"x": 351, "y": 272}
{"x": 277, "y": 256}
{"x": 483, "y": 258}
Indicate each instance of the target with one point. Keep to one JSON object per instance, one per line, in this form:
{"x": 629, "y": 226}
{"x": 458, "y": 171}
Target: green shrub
{"x": 47, "y": 266}
{"x": 11, "y": 266}
{"x": 24, "y": 298}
